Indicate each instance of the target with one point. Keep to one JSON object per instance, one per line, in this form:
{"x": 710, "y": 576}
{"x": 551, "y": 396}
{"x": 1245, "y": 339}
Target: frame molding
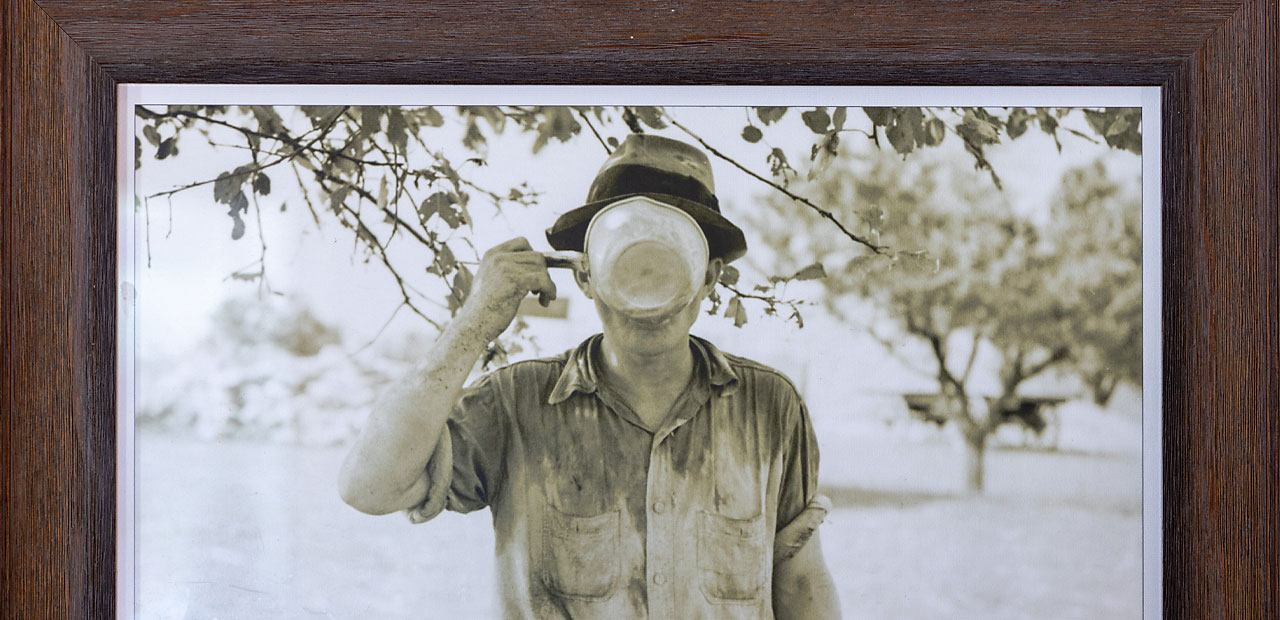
{"x": 1217, "y": 60}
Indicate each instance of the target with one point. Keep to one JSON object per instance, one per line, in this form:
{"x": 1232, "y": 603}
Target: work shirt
{"x": 598, "y": 516}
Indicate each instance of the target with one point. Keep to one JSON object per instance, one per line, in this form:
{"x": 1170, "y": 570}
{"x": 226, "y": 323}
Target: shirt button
{"x": 660, "y": 578}
{"x": 659, "y": 507}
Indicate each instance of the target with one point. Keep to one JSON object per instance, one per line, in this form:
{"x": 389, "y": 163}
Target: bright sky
{"x": 191, "y": 252}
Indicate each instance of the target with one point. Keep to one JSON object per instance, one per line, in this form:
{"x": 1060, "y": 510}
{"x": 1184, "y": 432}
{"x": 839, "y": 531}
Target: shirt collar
{"x": 581, "y": 375}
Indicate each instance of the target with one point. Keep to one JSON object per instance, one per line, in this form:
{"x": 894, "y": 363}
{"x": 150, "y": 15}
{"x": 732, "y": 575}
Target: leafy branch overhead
{"x": 393, "y": 175}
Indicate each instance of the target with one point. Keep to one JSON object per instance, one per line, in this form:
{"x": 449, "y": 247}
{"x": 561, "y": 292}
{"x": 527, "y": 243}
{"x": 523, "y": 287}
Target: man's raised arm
{"x": 385, "y": 470}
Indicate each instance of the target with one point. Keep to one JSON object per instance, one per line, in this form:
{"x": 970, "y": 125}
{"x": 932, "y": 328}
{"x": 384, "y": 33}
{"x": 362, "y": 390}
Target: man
{"x": 642, "y": 474}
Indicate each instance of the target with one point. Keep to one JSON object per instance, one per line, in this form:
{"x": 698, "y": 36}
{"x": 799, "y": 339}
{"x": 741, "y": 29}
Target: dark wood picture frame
{"x": 1217, "y": 62}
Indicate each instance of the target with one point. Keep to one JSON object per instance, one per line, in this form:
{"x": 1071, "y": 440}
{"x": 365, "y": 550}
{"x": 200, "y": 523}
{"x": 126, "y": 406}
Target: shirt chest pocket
{"x": 731, "y": 557}
{"x": 580, "y": 554}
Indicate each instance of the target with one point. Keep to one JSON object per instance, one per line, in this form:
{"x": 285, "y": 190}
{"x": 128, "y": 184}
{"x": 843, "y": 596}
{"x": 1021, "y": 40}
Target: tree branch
{"x": 827, "y": 215}
{"x": 259, "y": 167}
{"x": 592, "y": 127}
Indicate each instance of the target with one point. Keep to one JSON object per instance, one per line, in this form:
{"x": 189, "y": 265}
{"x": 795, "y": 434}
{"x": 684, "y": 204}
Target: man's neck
{"x": 645, "y": 374}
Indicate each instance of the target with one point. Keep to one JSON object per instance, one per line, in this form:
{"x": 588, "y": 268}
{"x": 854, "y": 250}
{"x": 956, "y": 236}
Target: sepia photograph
{"x": 639, "y": 352}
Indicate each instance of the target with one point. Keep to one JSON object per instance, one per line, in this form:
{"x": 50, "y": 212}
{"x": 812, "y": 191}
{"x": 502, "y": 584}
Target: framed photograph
{"x": 230, "y": 405}
{"x": 954, "y": 284}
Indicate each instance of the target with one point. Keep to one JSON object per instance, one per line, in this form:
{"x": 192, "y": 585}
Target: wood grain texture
{"x": 57, "y": 430}
{"x": 800, "y": 41}
{"x": 1215, "y": 58}
{"x": 1222, "y": 362}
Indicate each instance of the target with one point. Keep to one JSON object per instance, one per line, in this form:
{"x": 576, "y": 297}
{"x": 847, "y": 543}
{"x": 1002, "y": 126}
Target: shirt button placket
{"x": 658, "y": 539}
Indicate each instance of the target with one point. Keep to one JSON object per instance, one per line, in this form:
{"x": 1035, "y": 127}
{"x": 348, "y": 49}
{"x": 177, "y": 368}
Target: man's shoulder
{"x": 524, "y": 370}
{"x": 753, "y": 372}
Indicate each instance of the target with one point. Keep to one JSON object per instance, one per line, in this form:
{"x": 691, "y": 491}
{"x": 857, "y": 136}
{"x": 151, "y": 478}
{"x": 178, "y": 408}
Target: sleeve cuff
{"x": 791, "y": 539}
{"x": 439, "y": 476}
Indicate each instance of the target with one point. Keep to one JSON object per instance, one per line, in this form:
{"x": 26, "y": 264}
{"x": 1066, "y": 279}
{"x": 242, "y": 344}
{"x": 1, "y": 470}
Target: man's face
{"x": 651, "y": 336}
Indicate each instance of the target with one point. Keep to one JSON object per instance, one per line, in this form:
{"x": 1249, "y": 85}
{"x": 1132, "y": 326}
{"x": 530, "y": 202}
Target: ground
{"x": 247, "y": 530}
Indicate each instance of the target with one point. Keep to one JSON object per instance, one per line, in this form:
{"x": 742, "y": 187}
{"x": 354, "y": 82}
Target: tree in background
{"x": 1043, "y": 295}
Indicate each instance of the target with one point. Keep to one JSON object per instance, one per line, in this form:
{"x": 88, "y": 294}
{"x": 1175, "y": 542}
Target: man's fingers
{"x": 514, "y": 245}
{"x": 546, "y": 288}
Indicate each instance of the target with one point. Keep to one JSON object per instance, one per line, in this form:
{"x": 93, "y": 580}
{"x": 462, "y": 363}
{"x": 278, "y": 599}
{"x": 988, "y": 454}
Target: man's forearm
{"x": 384, "y": 469}
{"x": 802, "y": 586}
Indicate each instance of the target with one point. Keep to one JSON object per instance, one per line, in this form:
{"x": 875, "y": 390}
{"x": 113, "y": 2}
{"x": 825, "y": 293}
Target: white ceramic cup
{"x": 647, "y": 259}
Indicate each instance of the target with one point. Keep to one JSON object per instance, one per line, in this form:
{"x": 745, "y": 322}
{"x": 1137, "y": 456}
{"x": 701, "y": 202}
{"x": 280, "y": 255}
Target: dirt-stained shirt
{"x": 597, "y": 516}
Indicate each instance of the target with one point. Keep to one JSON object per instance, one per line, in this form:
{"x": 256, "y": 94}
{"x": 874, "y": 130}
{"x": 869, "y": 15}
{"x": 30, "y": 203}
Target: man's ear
{"x": 583, "y": 279}
{"x": 714, "y": 268}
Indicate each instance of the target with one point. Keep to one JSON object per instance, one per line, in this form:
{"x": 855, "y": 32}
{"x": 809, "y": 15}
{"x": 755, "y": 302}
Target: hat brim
{"x": 724, "y": 239}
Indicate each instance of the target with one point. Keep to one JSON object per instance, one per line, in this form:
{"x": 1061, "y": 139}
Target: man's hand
{"x": 385, "y": 470}
{"x": 507, "y": 273}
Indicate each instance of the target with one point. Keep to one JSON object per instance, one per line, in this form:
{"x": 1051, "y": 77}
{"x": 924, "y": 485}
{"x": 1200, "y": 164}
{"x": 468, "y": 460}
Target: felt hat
{"x": 666, "y": 170}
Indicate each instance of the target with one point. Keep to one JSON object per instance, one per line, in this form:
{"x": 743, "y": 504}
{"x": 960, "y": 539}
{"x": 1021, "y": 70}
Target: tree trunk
{"x": 975, "y": 454}
{"x": 1102, "y": 385}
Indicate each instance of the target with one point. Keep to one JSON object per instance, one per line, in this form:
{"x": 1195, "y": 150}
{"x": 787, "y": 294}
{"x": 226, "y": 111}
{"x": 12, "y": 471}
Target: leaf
{"x": 431, "y": 117}
{"x": 226, "y": 186}
{"x": 165, "y": 149}
{"x": 650, "y": 116}
{"x": 978, "y": 129}
{"x": 879, "y": 116}
{"x": 812, "y": 272}
{"x": 321, "y": 115}
{"x": 613, "y": 142}
{"x": 1098, "y": 121}
{"x": 492, "y": 114}
{"x": 364, "y": 234}
{"x": 838, "y": 117}
{"x": 149, "y": 132}
{"x": 397, "y": 129}
{"x": 817, "y": 120}
{"x": 778, "y": 164}
{"x": 729, "y": 275}
{"x": 434, "y": 204}
{"x": 459, "y": 289}
{"x": 371, "y": 118}
{"x": 238, "y": 204}
{"x": 1049, "y": 125}
{"x": 269, "y": 122}
{"x": 934, "y": 132}
{"x": 899, "y": 138}
{"x": 795, "y": 314}
{"x": 770, "y": 114}
{"x": 262, "y": 184}
{"x": 734, "y": 310}
{"x": 558, "y": 124}
{"x": 474, "y": 138}
{"x": 1118, "y": 126}
{"x": 382, "y": 193}
{"x": 752, "y": 134}
{"x": 1016, "y": 125}
{"x": 445, "y": 259}
{"x": 338, "y": 197}
{"x": 823, "y": 153}
{"x": 137, "y": 152}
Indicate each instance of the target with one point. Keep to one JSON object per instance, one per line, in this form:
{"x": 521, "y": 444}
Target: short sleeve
{"x": 800, "y": 508}
{"x": 466, "y": 467}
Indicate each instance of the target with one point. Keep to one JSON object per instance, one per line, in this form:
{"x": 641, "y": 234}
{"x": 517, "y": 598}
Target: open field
{"x": 239, "y": 530}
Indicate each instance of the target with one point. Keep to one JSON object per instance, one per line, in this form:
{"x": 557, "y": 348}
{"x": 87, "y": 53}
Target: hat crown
{"x": 654, "y": 153}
